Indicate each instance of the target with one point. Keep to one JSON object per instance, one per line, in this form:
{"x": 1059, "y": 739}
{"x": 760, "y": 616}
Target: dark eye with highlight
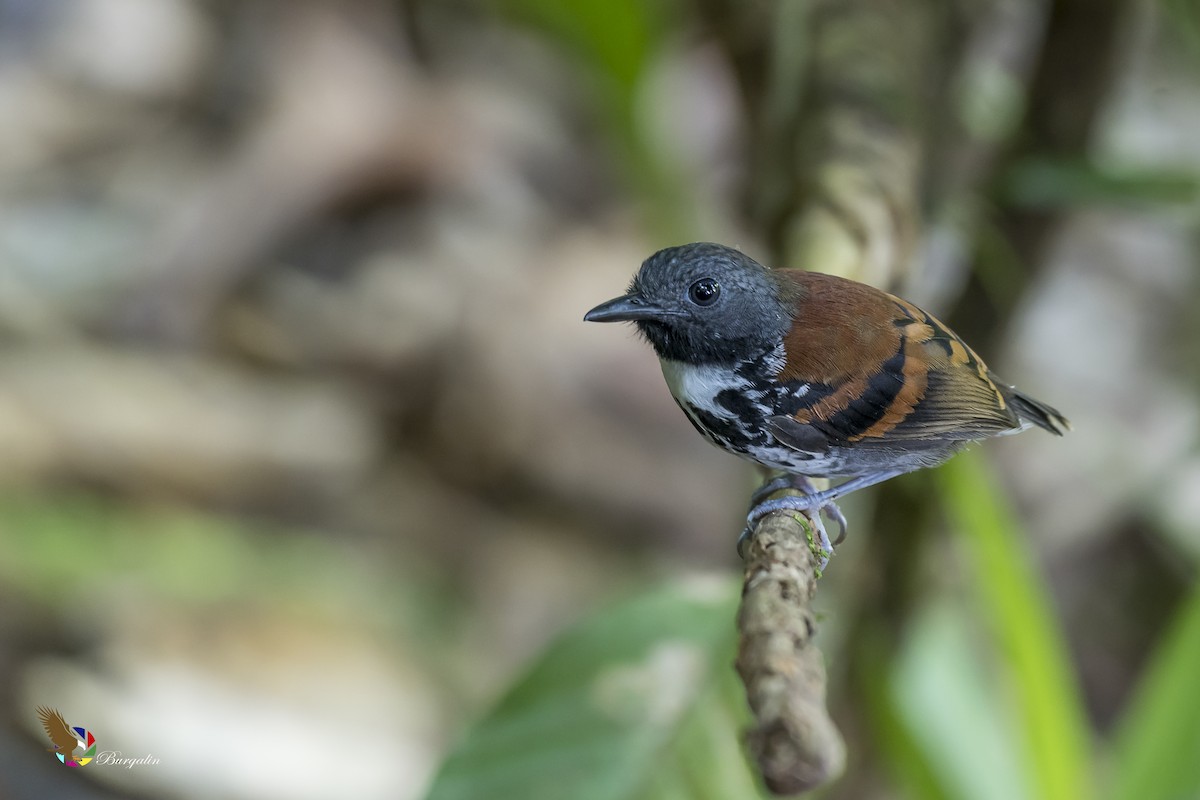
{"x": 704, "y": 292}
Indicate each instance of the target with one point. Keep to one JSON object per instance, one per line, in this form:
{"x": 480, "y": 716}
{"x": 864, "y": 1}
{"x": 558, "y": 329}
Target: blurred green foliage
{"x": 981, "y": 701}
{"x": 636, "y": 702}
{"x": 1157, "y": 744}
{"x": 1185, "y": 18}
{"x": 1059, "y": 183}
{"x": 612, "y": 42}
{"x": 614, "y": 38}
{"x": 941, "y": 692}
{"x": 1052, "y": 723}
{"x": 60, "y": 548}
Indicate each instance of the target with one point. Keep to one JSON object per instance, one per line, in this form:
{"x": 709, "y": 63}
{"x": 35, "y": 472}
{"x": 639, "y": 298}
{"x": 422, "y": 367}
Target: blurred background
{"x": 313, "y": 483}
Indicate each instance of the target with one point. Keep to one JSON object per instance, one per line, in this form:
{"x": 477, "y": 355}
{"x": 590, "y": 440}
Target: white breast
{"x": 699, "y": 386}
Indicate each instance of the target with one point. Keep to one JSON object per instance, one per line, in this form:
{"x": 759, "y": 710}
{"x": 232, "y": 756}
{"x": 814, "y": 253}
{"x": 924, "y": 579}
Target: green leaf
{"x": 633, "y": 703}
{"x": 896, "y": 734}
{"x": 1049, "y": 711}
{"x": 1183, "y": 22}
{"x": 1159, "y": 739}
{"x": 614, "y": 43}
{"x": 952, "y": 714}
{"x": 615, "y": 37}
{"x": 1063, "y": 182}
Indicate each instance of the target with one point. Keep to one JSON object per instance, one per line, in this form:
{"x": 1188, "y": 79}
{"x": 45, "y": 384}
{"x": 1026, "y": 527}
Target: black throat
{"x": 692, "y": 343}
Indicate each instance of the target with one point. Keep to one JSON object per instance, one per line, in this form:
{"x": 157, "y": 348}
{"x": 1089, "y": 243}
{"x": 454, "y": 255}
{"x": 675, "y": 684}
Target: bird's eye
{"x": 704, "y": 292}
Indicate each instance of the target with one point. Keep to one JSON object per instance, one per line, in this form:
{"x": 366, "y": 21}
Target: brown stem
{"x": 794, "y": 741}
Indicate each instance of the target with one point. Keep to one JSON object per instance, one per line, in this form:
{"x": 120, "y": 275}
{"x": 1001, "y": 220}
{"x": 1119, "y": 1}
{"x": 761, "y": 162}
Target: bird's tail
{"x": 1039, "y": 413}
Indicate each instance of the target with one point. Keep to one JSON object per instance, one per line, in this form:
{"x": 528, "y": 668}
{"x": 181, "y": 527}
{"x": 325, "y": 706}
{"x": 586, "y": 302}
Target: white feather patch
{"x": 699, "y": 386}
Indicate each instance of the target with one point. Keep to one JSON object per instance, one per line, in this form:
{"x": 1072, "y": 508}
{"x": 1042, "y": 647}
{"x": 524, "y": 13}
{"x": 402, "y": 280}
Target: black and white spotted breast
{"x": 730, "y": 407}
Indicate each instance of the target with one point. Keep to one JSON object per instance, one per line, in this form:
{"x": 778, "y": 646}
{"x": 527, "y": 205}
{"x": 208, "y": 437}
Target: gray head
{"x": 703, "y": 303}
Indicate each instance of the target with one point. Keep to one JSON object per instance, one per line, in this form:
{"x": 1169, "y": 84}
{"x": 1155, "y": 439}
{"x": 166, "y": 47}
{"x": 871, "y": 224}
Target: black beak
{"x": 626, "y": 308}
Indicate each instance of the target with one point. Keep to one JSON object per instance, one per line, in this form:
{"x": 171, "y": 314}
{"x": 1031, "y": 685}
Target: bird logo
{"x": 67, "y": 739}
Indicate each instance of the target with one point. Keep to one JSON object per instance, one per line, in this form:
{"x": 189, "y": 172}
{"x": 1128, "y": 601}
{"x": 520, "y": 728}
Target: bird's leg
{"x": 819, "y": 533}
{"x": 803, "y": 484}
{"x": 779, "y": 483}
{"x": 822, "y": 502}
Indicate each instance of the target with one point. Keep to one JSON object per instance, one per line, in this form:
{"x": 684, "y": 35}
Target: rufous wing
{"x": 886, "y": 371}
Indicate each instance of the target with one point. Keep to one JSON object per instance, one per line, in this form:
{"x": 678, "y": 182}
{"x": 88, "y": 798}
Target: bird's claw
{"x": 741, "y": 542}
{"x": 809, "y": 502}
{"x": 832, "y": 511}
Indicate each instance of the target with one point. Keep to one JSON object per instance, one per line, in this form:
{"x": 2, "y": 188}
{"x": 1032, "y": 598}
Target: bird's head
{"x": 703, "y": 303}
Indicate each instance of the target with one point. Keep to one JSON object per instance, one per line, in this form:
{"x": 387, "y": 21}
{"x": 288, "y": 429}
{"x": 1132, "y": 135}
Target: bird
{"x": 59, "y": 732}
{"x": 814, "y": 375}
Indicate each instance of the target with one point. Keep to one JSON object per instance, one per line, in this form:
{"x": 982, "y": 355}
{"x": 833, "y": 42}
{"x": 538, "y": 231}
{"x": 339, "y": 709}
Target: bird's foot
{"x": 811, "y": 500}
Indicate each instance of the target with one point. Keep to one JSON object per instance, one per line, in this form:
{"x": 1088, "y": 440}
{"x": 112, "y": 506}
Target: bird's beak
{"x": 626, "y": 308}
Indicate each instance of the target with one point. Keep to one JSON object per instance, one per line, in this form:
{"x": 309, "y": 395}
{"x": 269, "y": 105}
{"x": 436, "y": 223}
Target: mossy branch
{"x": 793, "y": 739}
